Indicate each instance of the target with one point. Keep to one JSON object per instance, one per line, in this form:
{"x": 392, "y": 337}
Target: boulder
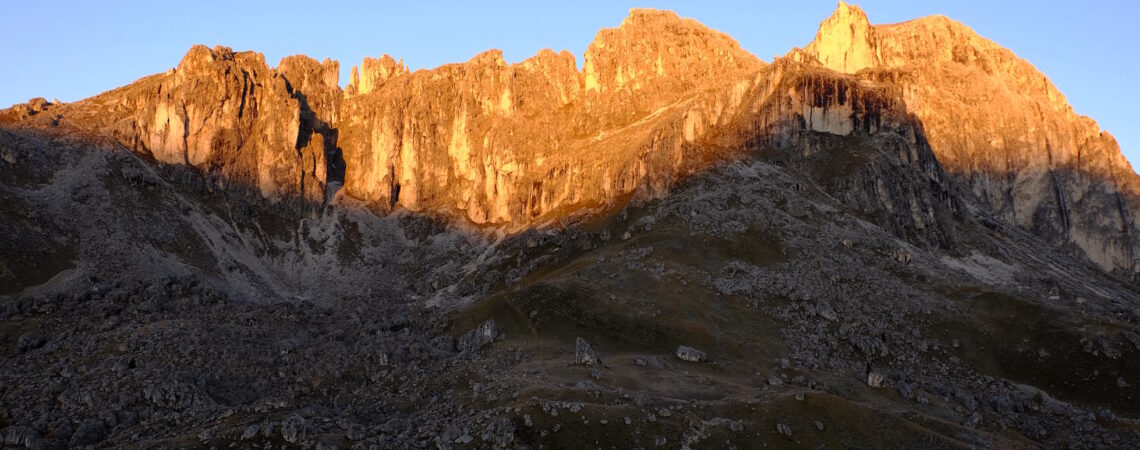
{"x": 875, "y": 379}
{"x": 690, "y": 354}
{"x": 584, "y": 354}
{"x": 478, "y": 338}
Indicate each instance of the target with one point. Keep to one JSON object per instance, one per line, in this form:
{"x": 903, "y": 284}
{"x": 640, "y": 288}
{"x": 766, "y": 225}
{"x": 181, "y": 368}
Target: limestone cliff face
{"x": 223, "y": 112}
{"x": 445, "y": 139}
{"x": 373, "y": 73}
{"x": 515, "y": 145}
{"x": 316, "y": 84}
{"x": 658, "y": 98}
{"x": 652, "y": 59}
{"x": 845, "y": 41}
{"x": 512, "y": 144}
{"x": 1001, "y": 127}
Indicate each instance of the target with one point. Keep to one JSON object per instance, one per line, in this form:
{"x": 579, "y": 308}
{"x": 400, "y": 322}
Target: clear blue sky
{"x": 72, "y": 49}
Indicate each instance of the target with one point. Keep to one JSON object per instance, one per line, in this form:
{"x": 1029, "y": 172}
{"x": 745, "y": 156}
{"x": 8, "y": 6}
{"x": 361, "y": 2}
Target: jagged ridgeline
{"x": 658, "y": 98}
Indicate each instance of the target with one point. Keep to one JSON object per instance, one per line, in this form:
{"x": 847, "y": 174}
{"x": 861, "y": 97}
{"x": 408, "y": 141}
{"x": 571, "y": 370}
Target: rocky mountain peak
{"x": 935, "y": 42}
{"x": 307, "y": 71}
{"x": 1001, "y": 126}
{"x": 200, "y": 59}
{"x": 491, "y": 58}
{"x": 373, "y": 73}
{"x": 200, "y": 54}
{"x": 845, "y": 41}
{"x": 318, "y": 83}
{"x": 658, "y": 51}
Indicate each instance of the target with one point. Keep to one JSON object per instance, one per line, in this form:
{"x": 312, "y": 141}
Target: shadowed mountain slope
{"x": 1000, "y": 127}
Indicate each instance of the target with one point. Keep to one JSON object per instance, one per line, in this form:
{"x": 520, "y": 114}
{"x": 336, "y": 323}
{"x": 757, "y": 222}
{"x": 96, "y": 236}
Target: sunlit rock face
{"x": 845, "y": 41}
{"x": 462, "y": 137}
{"x": 226, "y": 113}
{"x": 317, "y": 83}
{"x": 498, "y": 143}
{"x": 652, "y": 59}
{"x": 658, "y": 98}
{"x": 1001, "y": 127}
{"x": 373, "y": 73}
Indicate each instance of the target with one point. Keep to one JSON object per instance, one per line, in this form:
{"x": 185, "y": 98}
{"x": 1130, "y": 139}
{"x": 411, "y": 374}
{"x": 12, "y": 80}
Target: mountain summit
{"x": 845, "y": 41}
{"x": 1001, "y": 127}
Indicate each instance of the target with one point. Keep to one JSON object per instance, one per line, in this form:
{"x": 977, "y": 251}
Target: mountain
{"x": 223, "y": 112}
{"x": 897, "y": 236}
{"x": 515, "y": 145}
{"x": 1000, "y": 127}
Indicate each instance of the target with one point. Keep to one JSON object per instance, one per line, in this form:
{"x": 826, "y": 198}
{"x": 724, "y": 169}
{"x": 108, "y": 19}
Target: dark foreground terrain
{"x": 146, "y": 306}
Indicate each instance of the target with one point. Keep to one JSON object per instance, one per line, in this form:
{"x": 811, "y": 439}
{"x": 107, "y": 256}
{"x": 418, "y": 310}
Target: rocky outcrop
{"x": 315, "y": 84}
{"x": 316, "y": 88}
{"x": 999, "y": 126}
{"x": 223, "y": 112}
{"x": 373, "y": 73}
{"x": 856, "y": 141}
{"x": 652, "y": 59}
{"x": 456, "y": 137}
{"x": 845, "y": 41}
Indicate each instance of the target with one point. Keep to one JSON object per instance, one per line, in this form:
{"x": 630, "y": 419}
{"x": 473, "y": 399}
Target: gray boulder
{"x": 690, "y": 354}
{"x": 584, "y": 354}
{"x": 293, "y": 429}
{"x": 478, "y": 338}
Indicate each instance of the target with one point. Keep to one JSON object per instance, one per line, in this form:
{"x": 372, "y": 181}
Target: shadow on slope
{"x": 800, "y": 277}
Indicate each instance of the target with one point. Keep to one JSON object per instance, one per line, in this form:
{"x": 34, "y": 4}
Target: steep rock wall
{"x": 515, "y": 145}
{"x": 223, "y": 112}
{"x": 502, "y": 143}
